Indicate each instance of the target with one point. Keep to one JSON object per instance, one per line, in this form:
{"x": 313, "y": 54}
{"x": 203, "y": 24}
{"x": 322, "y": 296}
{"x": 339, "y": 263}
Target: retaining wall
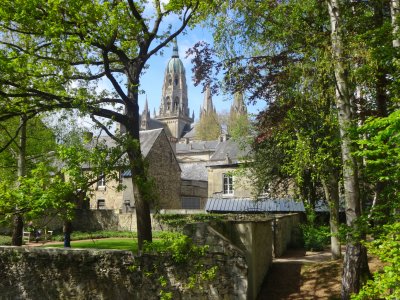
{"x": 242, "y": 249}
{"x": 40, "y": 273}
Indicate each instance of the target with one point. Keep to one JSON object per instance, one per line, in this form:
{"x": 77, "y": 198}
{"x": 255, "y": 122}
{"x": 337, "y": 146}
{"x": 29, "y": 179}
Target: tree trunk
{"x": 139, "y": 176}
{"x": 18, "y": 224}
{"x": 394, "y": 12}
{"x": 331, "y": 189}
{"x": 67, "y": 230}
{"x": 355, "y": 257}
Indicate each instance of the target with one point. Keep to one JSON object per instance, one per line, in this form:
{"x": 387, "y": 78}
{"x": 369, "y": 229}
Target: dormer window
{"x": 176, "y": 81}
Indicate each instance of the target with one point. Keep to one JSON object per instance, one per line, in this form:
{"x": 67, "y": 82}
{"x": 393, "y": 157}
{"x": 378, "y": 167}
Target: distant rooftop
{"x": 200, "y": 146}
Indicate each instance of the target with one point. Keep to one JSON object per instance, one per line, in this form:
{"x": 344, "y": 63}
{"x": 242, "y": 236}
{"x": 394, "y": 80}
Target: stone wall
{"x": 253, "y": 238}
{"x": 241, "y": 248}
{"x": 40, "y": 273}
{"x": 286, "y": 232}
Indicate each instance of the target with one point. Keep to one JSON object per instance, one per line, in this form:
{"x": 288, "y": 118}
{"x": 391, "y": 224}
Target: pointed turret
{"x": 145, "y": 117}
{"x": 208, "y": 106}
{"x": 175, "y": 50}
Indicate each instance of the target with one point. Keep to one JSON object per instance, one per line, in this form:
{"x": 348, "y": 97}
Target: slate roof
{"x": 154, "y": 124}
{"x": 191, "y": 133}
{"x": 201, "y": 146}
{"x": 231, "y": 149}
{"x": 147, "y": 140}
{"x": 250, "y": 206}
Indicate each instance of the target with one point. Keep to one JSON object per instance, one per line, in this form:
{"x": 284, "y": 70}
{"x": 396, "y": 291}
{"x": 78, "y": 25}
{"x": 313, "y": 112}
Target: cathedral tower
{"x": 174, "y": 109}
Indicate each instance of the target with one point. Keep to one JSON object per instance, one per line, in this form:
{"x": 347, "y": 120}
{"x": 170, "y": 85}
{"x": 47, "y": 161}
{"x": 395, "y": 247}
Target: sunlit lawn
{"x": 109, "y": 243}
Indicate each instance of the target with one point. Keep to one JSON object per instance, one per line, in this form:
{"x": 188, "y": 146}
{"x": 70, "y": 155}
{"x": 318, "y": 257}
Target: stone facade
{"x": 113, "y": 199}
{"x": 163, "y": 168}
{"x": 242, "y": 187}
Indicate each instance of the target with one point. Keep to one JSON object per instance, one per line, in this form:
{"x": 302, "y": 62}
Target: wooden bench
{"x": 45, "y": 235}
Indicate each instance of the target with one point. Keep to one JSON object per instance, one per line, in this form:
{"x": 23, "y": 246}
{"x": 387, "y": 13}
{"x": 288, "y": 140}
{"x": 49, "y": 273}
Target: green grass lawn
{"x": 128, "y": 244}
{"x": 108, "y": 243}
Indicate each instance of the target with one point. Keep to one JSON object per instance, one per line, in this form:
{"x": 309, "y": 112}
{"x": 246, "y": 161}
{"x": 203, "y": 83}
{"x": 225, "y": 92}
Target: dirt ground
{"x": 305, "y": 275}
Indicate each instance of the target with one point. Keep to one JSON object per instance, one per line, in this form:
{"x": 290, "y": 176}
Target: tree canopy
{"x": 61, "y": 54}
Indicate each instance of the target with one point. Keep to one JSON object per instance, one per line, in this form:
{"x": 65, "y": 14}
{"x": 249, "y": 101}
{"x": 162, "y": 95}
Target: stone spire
{"x": 145, "y": 117}
{"x": 208, "y": 106}
{"x": 238, "y": 107}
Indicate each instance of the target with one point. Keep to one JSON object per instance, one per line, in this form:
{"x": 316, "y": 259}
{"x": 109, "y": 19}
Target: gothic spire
{"x": 238, "y": 105}
{"x": 208, "y": 106}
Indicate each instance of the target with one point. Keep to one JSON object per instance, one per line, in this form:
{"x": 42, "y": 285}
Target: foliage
{"x": 36, "y": 194}
{"x": 5, "y": 240}
{"x": 180, "y": 220}
{"x": 182, "y": 251}
{"x": 316, "y": 238}
{"x": 178, "y": 245}
{"x": 208, "y": 127}
{"x": 40, "y": 142}
{"x": 380, "y": 150}
{"x": 386, "y": 283}
{"x": 88, "y": 55}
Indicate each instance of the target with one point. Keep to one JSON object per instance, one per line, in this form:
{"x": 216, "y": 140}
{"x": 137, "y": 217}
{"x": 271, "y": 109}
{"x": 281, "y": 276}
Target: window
{"x": 228, "y": 184}
{"x": 101, "y": 204}
{"x": 190, "y": 203}
{"x": 102, "y": 181}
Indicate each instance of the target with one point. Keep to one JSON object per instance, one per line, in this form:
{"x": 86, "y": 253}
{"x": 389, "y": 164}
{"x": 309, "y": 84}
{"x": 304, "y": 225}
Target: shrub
{"x": 386, "y": 283}
{"x": 316, "y": 238}
{"x": 5, "y": 240}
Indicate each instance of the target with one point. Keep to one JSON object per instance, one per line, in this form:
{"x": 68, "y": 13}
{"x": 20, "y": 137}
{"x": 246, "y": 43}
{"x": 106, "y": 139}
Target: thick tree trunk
{"x": 355, "y": 257}
{"x": 139, "y": 176}
{"x": 18, "y": 224}
{"x": 331, "y": 189}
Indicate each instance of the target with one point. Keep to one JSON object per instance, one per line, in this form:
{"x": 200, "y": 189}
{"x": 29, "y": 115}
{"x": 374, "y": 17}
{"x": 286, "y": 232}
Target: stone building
{"x": 163, "y": 167}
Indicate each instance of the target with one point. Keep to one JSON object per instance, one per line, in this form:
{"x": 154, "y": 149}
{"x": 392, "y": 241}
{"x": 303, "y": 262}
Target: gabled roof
{"x": 147, "y": 140}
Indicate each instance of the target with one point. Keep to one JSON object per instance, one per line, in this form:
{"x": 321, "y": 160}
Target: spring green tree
{"x": 60, "y": 54}
{"x": 341, "y": 54}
